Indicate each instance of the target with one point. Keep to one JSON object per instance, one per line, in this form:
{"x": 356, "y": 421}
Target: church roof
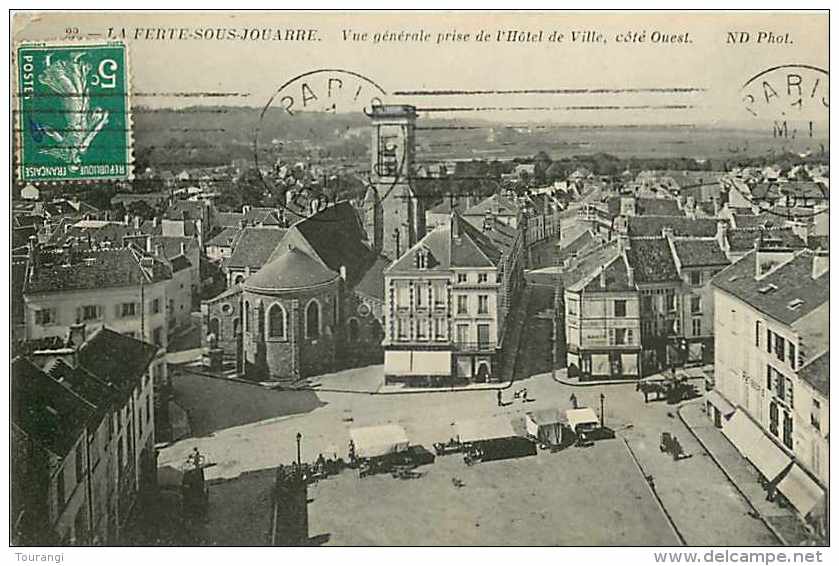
{"x": 294, "y": 269}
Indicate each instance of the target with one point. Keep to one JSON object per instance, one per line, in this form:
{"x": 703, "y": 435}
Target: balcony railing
{"x": 473, "y": 346}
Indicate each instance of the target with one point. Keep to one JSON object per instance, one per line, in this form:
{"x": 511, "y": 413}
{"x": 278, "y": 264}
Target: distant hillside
{"x": 207, "y": 136}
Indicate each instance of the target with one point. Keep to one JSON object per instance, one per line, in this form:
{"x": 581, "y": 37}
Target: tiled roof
{"x": 681, "y": 226}
{"x": 741, "y": 240}
{"x": 254, "y": 247}
{"x": 83, "y": 232}
{"x": 773, "y": 293}
{"x": 469, "y": 248}
{"x": 763, "y": 220}
{"x": 45, "y": 410}
{"x": 231, "y": 291}
{"x": 578, "y": 246}
{"x": 501, "y": 235}
{"x": 115, "y": 358}
{"x": 254, "y": 216}
{"x": 698, "y": 253}
{"x": 816, "y": 372}
{"x": 194, "y": 210}
{"x": 84, "y": 384}
{"x": 179, "y": 263}
{"x": 227, "y": 237}
{"x": 647, "y": 207}
{"x": 373, "y": 282}
{"x": 294, "y": 269}
{"x": 93, "y": 269}
{"x": 589, "y": 265}
{"x": 495, "y": 204}
{"x": 818, "y": 242}
{"x": 338, "y": 238}
{"x": 652, "y": 260}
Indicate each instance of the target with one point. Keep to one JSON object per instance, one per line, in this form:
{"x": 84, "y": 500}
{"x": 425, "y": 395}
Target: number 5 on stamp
{"x": 73, "y": 113}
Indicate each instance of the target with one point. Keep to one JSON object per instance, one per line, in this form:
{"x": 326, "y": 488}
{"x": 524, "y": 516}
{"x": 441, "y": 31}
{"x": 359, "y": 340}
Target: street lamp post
{"x": 299, "y": 438}
{"x": 602, "y": 414}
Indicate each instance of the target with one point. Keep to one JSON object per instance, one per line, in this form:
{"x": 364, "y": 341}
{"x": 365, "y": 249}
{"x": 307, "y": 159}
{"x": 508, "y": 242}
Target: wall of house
{"x": 811, "y": 430}
{"x": 67, "y": 303}
{"x": 179, "y": 296}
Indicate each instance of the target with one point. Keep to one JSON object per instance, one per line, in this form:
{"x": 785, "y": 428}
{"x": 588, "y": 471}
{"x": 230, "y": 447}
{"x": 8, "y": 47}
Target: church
{"x": 317, "y": 303}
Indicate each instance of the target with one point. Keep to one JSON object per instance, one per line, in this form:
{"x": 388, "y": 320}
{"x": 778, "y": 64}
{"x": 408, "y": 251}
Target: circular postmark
{"x": 792, "y": 102}
{"x": 312, "y": 140}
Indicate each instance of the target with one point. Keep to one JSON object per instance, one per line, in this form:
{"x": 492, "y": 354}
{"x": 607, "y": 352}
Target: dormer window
{"x": 771, "y": 288}
{"x": 794, "y": 304}
{"x": 422, "y": 258}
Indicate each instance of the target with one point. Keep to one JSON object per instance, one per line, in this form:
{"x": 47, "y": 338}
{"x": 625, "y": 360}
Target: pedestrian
{"x": 573, "y": 400}
{"x": 498, "y": 397}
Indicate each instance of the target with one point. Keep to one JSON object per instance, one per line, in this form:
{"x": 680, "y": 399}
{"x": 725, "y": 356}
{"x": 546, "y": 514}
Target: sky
{"x": 698, "y": 79}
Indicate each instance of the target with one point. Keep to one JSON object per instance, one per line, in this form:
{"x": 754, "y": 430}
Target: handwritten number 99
{"x": 106, "y": 74}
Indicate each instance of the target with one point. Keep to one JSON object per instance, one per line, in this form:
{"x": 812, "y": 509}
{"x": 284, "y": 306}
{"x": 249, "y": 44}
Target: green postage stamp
{"x": 73, "y": 112}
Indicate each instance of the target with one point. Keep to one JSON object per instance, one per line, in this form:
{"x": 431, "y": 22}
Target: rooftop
{"x": 786, "y": 293}
{"x": 699, "y": 252}
{"x": 652, "y": 260}
{"x": 76, "y": 269}
{"x": 816, "y": 372}
{"x": 654, "y": 225}
{"x": 254, "y": 247}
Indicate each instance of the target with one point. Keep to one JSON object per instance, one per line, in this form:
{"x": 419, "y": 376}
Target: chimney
{"x": 137, "y": 222}
{"x": 681, "y": 201}
{"x": 344, "y": 272}
{"x": 821, "y": 263}
{"x": 149, "y": 246}
{"x": 716, "y": 201}
{"x": 33, "y": 251}
{"x": 76, "y": 335}
{"x": 667, "y": 232}
{"x": 630, "y": 275}
{"x": 455, "y": 227}
{"x": 127, "y": 219}
{"x": 246, "y": 208}
{"x": 158, "y": 250}
{"x": 183, "y": 248}
{"x": 488, "y": 221}
{"x": 602, "y": 277}
{"x": 722, "y": 233}
{"x": 155, "y": 222}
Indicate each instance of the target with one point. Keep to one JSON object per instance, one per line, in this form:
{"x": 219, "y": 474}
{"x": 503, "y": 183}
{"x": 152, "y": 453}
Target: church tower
{"x": 372, "y": 219}
{"x": 403, "y": 214}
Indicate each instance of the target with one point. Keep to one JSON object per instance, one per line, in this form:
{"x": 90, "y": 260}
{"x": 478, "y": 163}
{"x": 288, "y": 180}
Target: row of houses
{"x": 82, "y": 435}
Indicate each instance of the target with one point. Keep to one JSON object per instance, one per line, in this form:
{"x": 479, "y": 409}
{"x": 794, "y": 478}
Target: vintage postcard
{"x": 420, "y": 279}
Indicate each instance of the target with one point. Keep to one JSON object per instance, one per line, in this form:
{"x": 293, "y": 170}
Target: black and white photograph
{"x": 420, "y": 279}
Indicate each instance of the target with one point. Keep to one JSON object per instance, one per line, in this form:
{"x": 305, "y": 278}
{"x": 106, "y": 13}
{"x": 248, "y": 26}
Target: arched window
{"x": 313, "y": 319}
{"x": 353, "y": 329}
{"x": 276, "y": 321}
{"x": 247, "y": 316}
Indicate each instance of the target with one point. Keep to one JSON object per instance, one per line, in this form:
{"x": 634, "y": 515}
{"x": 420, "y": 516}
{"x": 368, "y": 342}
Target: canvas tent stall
{"x": 480, "y": 430}
{"x": 546, "y": 426}
{"x": 582, "y": 419}
{"x": 378, "y": 441}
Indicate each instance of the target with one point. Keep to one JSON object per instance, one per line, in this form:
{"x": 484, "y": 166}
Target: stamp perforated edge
{"x": 17, "y": 125}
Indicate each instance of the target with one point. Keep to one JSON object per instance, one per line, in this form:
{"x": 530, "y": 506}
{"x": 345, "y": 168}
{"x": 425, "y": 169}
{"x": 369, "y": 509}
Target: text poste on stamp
{"x": 73, "y": 120}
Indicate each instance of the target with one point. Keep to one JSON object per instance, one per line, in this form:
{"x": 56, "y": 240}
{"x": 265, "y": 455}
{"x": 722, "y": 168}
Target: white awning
{"x": 753, "y": 443}
{"x": 582, "y": 416}
{"x": 374, "y": 441}
{"x": 484, "y": 429}
{"x": 432, "y": 363}
{"x": 409, "y": 362}
{"x": 801, "y": 490}
{"x": 717, "y": 400}
{"x": 397, "y": 362}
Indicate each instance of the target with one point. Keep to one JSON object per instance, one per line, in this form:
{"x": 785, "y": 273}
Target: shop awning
{"x": 397, "y": 362}
{"x": 582, "y": 416}
{"x": 409, "y": 362}
{"x": 721, "y": 403}
{"x": 484, "y": 429}
{"x": 753, "y": 443}
{"x": 432, "y": 363}
{"x": 801, "y": 490}
{"x": 375, "y": 441}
